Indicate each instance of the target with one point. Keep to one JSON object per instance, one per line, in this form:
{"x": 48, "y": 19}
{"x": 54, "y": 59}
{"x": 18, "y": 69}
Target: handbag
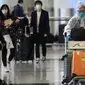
{"x": 78, "y": 34}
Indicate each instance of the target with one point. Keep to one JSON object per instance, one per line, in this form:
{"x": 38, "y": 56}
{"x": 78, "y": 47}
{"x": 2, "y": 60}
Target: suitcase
{"x": 78, "y": 63}
{"x": 25, "y": 43}
{"x": 60, "y": 36}
{"x": 31, "y": 48}
{"x": 27, "y": 46}
{"x": 27, "y": 49}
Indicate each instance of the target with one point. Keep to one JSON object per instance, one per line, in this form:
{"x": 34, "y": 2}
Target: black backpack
{"x": 2, "y": 82}
{"x": 78, "y": 34}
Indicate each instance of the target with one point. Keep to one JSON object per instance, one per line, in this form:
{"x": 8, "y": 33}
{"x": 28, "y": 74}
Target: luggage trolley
{"x": 79, "y": 46}
{"x": 70, "y": 79}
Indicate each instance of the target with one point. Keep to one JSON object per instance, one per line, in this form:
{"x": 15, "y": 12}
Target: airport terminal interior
{"x": 50, "y": 71}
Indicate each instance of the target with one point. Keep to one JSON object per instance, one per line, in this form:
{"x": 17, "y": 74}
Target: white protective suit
{"x": 75, "y": 21}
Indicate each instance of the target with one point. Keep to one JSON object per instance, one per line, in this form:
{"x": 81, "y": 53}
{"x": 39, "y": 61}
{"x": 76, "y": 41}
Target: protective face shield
{"x": 38, "y": 7}
{"x": 79, "y": 5}
{"x": 4, "y": 11}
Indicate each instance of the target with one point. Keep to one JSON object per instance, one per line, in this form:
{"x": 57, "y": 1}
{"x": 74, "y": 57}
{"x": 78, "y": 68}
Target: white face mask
{"x": 38, "y": 7}
{"x": 4, "y": 11}
{"x": 21, "y": 5}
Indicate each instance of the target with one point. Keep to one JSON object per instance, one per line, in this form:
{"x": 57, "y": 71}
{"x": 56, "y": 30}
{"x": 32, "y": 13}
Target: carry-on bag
{"x": 27, "y": 49}
{"x": 27, "y": 46}
{"x": 78, "y": 34}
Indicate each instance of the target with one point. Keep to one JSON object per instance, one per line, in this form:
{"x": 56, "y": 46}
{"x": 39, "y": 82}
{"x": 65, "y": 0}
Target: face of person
{"x": 5, "y": 10}
{"x": 81, "y": 9}
{"x": 21, "y": 4}
{"x": 38, "y": 7}
{"x": 81, "y": 12}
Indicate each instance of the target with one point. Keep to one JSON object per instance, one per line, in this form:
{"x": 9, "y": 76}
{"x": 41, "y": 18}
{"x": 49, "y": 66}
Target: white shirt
{"x": 29, "y": 19}
{"x": 38, "y": 20}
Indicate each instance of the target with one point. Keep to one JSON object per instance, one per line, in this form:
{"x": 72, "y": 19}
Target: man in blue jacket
{"x": 18, "y": 9}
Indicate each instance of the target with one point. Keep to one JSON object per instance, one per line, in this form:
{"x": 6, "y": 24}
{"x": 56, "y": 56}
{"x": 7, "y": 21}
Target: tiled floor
{"x": 45, "y": 73}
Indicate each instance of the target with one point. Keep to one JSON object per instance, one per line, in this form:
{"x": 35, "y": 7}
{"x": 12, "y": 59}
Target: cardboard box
{"x": 76, "y": 45}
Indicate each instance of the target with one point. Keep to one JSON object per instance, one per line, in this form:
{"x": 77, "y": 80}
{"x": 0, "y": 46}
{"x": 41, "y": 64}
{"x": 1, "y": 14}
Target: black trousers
{"x": 4, "y": 54}
{"x": 40, "y": 40}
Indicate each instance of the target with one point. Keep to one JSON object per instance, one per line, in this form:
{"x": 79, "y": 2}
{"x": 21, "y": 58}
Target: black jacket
{"x": 44, "y": 22}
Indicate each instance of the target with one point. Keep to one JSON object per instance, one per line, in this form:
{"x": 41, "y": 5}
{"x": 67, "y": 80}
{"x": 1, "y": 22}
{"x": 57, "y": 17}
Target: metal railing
{"x": 59, "y": 18}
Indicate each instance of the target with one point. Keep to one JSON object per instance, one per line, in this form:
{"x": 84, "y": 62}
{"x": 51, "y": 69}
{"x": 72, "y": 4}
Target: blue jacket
{"x": 18, "y": 11}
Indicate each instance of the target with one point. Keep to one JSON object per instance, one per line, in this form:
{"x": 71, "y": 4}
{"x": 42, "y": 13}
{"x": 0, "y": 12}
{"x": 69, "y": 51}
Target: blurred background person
{"x": 19, "y": 9}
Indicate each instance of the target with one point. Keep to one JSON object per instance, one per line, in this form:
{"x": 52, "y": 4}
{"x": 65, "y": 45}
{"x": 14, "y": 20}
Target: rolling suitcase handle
{"x": 26, "y": 34}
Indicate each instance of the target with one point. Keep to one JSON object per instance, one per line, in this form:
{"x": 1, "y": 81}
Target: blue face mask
{"x": 81, "y": 15}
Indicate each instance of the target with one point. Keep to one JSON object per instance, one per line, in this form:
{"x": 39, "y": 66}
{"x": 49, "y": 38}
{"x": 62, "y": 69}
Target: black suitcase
{"x": 27, "y": 48}
{"x": 31, "y": 48}
{"x": 61, "y": 30}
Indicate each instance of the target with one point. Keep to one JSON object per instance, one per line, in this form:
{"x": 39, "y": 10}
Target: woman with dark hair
{"x": 8, "y": 49}
{"x": 5, "y": 12}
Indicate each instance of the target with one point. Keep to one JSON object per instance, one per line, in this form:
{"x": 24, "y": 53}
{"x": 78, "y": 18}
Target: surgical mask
{"x": 38, "y": 7}
{"x": 21, "y": 5}
{"x": 81, "y": 15}
{"x": 4, "y": 11}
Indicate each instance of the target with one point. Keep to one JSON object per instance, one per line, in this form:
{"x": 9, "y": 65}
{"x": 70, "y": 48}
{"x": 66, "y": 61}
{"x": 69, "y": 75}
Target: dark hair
{"x": 5, "y": 5}
{"x": 38, "y": 2}
{"x": 20, "y": 1}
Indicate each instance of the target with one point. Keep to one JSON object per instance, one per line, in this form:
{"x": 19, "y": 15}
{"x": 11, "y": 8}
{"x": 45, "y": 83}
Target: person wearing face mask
{"x": 40, "y": 25}
{"x": 77, "y": 21}
{"x": 8, "y": 48}
{"x": 19, "y": 9}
